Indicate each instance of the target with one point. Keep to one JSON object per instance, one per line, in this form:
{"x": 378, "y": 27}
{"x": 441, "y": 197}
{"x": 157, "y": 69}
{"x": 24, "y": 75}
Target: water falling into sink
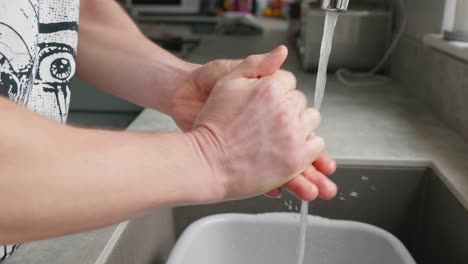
{"x": 329, "y": 28}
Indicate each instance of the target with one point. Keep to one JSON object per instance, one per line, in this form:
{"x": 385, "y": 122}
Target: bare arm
{"x": 115, "y": 56}
{"x": 56, "y": 180}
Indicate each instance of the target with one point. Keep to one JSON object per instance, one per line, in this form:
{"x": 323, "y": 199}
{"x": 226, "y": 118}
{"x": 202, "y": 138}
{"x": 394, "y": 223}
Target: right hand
{"x": 254, "y": 130}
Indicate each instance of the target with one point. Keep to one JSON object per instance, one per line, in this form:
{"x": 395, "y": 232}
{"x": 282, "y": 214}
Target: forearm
{"x": 116, "y": 57}
{"x": 59, "y": 180}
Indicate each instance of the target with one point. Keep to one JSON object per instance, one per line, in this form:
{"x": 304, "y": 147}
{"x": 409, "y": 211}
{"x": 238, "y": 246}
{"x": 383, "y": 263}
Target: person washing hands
{"x": 246, "y": 129}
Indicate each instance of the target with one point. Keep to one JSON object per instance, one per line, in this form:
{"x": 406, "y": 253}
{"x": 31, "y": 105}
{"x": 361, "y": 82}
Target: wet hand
{"x": 255, "y": 131}
{"x": 189, "y": 99}
{"x": 313, "y": 182}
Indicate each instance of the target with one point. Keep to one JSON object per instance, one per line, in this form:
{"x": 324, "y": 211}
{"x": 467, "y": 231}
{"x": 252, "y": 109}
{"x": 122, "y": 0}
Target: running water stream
{"x": 325, "y": 49}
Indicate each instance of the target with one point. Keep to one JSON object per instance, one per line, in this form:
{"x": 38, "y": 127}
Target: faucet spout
{"x": 335, "y": 5}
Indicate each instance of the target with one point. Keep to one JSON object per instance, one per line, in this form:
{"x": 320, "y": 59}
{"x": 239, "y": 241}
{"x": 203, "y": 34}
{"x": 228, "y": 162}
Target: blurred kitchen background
{"x": 423, "y": 46}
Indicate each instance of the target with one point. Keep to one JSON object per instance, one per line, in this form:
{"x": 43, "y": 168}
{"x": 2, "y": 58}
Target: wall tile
{"x": 447, "y": 82}
{"x": 438, "y": 79}
{"x": 424, "y": 16}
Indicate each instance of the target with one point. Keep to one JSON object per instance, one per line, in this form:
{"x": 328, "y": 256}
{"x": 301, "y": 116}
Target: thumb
{"x": 257, "y": 66}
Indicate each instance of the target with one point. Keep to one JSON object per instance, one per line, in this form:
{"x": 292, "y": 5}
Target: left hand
{"x": 188, "y": 99}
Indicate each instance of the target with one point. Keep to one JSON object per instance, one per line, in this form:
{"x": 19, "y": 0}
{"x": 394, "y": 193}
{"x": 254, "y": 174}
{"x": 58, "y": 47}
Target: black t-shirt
{"x": 38, "y": 40}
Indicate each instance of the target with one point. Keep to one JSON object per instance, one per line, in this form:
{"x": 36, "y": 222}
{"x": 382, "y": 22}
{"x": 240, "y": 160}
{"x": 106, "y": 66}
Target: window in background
{"x": 455, "y": 23}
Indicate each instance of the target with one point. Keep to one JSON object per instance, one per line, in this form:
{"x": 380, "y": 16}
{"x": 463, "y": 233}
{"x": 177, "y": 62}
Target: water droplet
{"x": 373, "y": 188}
{"x": 364, "y": 178}
{"x": 342, "y": 198}
{"x": 296, "y": 208}
{"x": 353, "y": 194}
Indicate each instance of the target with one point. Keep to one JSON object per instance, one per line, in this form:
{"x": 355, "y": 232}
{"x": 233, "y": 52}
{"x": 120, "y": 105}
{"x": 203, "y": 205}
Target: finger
{"x": 325, "y": 164}
{"x": 257, "y": 66}
{"x": 297, "y": 99}
{"x": 302, "y": 188}
{"x": 209, "y": 74}
{"x": 327, "y": 188}
{"x": 310, "y": 119}
{"x": 232, "y": 64}
{"x": 314, "y": 147}
{"x": 282, "y": 79}
{"x": 276, "y": 193}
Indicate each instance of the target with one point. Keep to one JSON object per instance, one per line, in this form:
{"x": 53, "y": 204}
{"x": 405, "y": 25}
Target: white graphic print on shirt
{"x": 38, "y": 40}
{"x": 6, "y": 251}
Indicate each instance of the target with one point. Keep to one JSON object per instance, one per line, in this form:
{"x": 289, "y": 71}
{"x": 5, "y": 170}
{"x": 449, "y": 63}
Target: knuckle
{"x": 294, "y": 97}
{"x": 251, "y": 60}
{"x": 302, "y": 99}
{"x": 314, "y": 116}
{"x": 320, "y": 145}
{"x": 289, "y": 77}
{"x": 284, "y": 119}
{"x": 271, "y": 90}
{"x": 218, "y": 64}
{"x": 323, "y": 144}
{"x": 293, "y": 162}
{"x": 301, "y": 95}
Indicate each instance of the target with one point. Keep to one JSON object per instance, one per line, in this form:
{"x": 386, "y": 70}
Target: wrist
{"x": 208, "y": 155}
{"x": 176, "y": 74}
{"x": 166, "y": 74}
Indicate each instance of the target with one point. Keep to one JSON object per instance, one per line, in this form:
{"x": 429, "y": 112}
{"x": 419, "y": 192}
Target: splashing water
{"x": 325, "y": 49}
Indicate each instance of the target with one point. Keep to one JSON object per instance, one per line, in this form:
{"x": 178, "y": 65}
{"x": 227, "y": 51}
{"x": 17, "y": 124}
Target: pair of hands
{"x": 254, "y": 128}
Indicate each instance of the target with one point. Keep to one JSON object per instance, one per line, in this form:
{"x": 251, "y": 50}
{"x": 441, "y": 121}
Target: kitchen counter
{"x": 375, "y": 125}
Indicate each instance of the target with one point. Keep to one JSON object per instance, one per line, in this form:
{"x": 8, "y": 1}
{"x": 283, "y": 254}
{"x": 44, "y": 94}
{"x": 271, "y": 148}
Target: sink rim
{"x": 344, "y": 163}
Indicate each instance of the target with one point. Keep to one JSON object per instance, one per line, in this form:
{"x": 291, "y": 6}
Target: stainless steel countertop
{"x": 377, "y": 125}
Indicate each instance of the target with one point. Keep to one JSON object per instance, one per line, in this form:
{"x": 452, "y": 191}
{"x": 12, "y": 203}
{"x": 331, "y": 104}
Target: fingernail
{"x": 279, "y": 196}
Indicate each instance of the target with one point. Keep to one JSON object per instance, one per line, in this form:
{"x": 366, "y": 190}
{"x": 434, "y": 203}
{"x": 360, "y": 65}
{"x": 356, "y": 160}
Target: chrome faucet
{"x": 335, "y": 5}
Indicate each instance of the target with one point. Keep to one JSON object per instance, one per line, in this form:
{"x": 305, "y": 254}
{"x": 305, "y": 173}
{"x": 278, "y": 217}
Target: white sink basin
{"x": 272, "y": 239}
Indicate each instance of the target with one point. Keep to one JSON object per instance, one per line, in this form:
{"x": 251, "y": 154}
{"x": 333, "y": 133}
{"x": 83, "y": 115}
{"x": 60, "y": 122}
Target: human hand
{"x": 313, "y": 183}
{"x": 255, "y": 132}
{"x": 189, "y": 99}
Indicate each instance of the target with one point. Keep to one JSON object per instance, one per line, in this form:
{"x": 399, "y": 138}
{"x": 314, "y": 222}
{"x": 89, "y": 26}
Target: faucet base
{"x": 335, "y": 5}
